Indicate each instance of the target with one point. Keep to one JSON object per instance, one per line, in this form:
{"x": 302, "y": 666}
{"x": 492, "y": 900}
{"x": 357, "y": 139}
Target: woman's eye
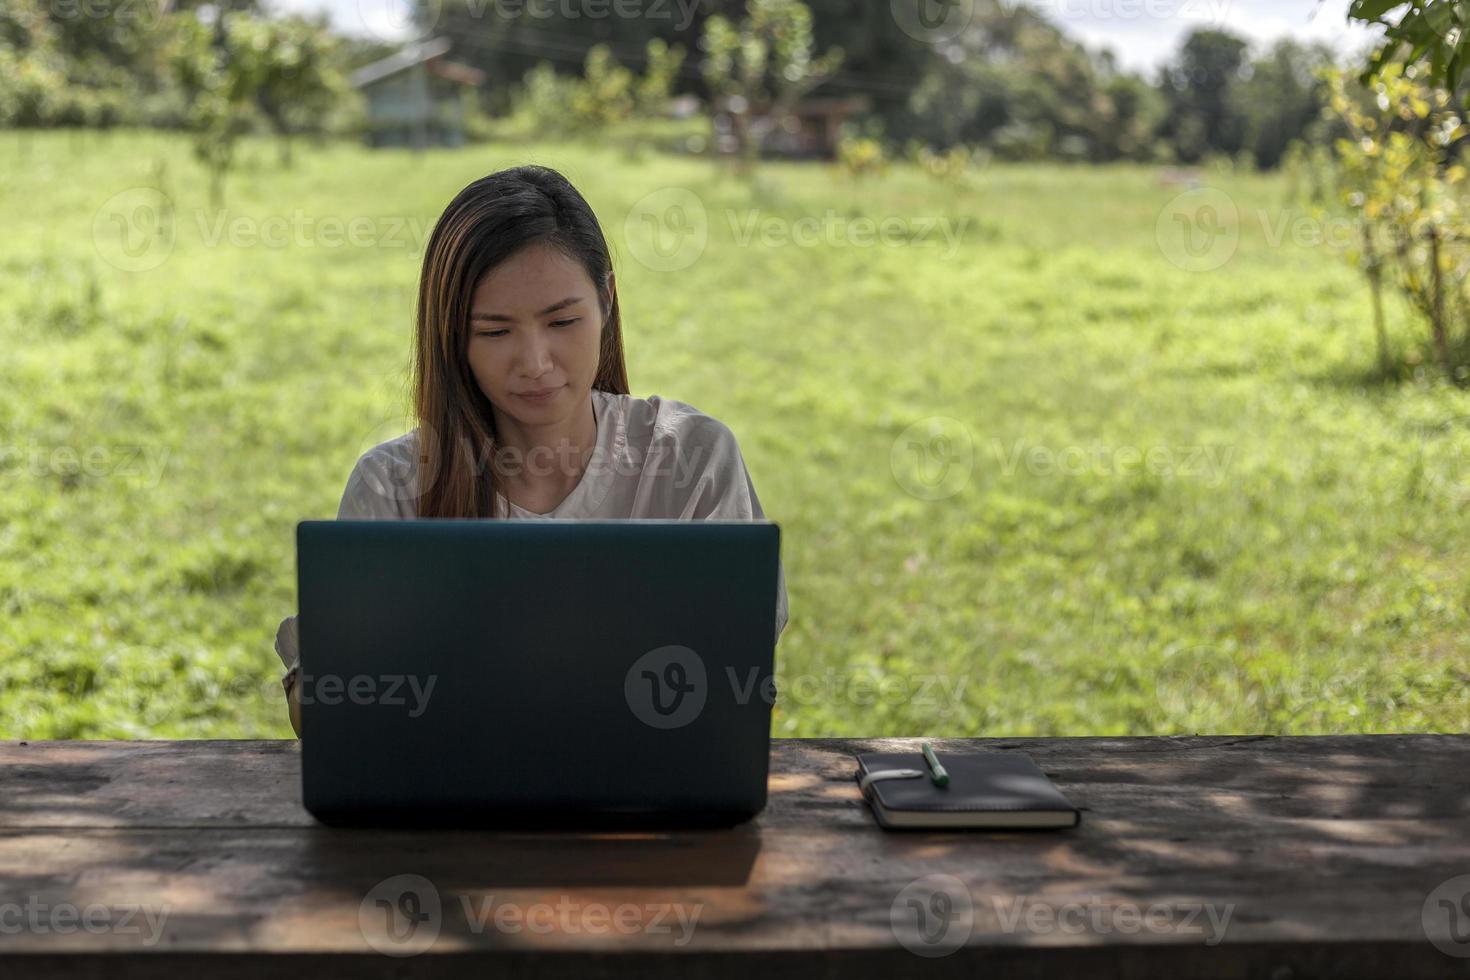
{"x": 501, "y": 333}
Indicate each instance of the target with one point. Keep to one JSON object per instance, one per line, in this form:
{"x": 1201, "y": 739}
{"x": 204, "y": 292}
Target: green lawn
{"x": 1175, "y": 500}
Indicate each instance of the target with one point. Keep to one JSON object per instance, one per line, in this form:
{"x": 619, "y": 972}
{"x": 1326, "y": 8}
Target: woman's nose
{"x": 536, "y": 358}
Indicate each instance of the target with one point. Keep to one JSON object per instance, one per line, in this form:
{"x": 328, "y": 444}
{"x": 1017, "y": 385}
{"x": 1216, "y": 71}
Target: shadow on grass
{"x": 1403, "y": 367}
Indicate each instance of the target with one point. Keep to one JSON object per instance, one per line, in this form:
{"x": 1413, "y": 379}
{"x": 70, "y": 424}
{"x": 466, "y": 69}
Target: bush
{"x": 951, "y": 166}
{"x": 607, "y": 95}
{"x": 31, "y": 86}
{"x": 862, "y": 156}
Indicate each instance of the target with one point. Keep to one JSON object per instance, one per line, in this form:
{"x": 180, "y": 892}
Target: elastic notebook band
{"x": 872, "y": 777}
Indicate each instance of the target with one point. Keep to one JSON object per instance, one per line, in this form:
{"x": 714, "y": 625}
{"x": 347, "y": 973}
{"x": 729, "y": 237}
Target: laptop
{"x": 536, "y": 673}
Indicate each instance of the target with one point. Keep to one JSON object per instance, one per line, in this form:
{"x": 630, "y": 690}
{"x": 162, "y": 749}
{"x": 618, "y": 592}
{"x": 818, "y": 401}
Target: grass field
{"x": 1176, "y": 500}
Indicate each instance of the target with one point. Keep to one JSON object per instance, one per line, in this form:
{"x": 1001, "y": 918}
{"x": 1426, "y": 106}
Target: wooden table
{"x": 1281, "y": 858}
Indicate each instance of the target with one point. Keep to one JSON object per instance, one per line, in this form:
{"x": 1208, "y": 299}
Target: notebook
{"x": 986, "y": 789}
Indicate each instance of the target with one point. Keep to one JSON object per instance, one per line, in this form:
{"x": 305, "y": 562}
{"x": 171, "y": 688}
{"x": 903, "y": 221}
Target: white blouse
{"x": 655, "y": 458}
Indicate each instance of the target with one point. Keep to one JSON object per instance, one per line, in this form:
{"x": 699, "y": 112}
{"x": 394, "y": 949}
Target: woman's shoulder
{"x": 656, "y": 420}
{"x": 383, "y": 481}
{"x": 651, "y": 422}
{"x": 399, "y": 451}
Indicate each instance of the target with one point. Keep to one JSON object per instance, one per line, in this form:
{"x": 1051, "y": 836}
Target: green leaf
{"x": 1440, "y": 17}
{"x": 1371, "y": 10}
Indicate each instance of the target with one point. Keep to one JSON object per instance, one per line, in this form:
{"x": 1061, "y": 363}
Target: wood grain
{"x": 1315, "y": 855}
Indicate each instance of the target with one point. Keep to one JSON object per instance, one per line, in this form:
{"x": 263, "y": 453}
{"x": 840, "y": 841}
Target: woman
{"x": 521, "y": 393}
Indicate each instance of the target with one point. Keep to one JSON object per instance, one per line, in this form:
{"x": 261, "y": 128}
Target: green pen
{"x": 937, "y": 772}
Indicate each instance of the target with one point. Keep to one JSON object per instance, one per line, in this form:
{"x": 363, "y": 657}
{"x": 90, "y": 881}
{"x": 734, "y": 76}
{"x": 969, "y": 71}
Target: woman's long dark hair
{"x": 486, "y": 223}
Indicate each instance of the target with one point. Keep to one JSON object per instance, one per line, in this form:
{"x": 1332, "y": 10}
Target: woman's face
{"x": 535, "y": 324}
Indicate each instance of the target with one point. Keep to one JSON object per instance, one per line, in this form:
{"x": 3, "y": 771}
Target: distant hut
{"x": 416, "y": 96}
{"x": 810, "y": 129}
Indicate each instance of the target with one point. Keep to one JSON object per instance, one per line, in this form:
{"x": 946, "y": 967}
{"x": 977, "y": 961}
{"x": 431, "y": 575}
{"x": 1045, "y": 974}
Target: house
{"x": 416, "y": 96}
{"x": 810, "y": 128}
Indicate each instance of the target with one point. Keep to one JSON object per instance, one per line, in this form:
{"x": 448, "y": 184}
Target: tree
{"x": 762, "y": 66}
{"x": 1434, "y": 34}
{"x": 1200, "y": 89}
{"x": 1283, "y": 98}
{"x": 32, "y": 73}
{"x": 1404, "y": 184}
{"x": 606, "y": 95}
{"x": 70, "y": 62}
{"x": 298, "y": 82}
{"x": 1019, "y": 87}
{"x": 243, "y": 70}
{"x": 508, "y": 40}
{"x": 219, "y": 90}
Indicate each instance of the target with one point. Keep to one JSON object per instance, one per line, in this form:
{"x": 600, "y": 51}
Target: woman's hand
{"x": 293, "y": 703}
{"x": 288, "y": 646}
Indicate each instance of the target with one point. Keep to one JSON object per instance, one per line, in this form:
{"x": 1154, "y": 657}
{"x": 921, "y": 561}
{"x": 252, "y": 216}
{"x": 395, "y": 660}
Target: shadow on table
{"x": 537, "y": 859}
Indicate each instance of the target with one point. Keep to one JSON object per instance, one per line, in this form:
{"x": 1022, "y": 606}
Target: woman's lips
{"x": 545, "y": 395}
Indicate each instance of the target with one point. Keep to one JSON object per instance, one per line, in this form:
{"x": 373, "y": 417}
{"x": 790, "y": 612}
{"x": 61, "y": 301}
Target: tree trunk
{"x": 745, "y": 150}
{"x": 1373, "y": 265}
{"x": 1441, "y": 338}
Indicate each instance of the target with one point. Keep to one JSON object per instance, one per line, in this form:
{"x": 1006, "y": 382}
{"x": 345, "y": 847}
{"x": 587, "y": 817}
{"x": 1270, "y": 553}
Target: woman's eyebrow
{"x": 502, "y": 318}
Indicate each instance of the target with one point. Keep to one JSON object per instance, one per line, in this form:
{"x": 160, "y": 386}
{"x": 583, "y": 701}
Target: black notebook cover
{"x": 986, "y": 789}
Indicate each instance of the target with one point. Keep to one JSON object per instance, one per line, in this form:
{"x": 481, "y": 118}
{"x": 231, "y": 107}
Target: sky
{"x": 1142, "y": 33}
{"x": 1145, "y": 33}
